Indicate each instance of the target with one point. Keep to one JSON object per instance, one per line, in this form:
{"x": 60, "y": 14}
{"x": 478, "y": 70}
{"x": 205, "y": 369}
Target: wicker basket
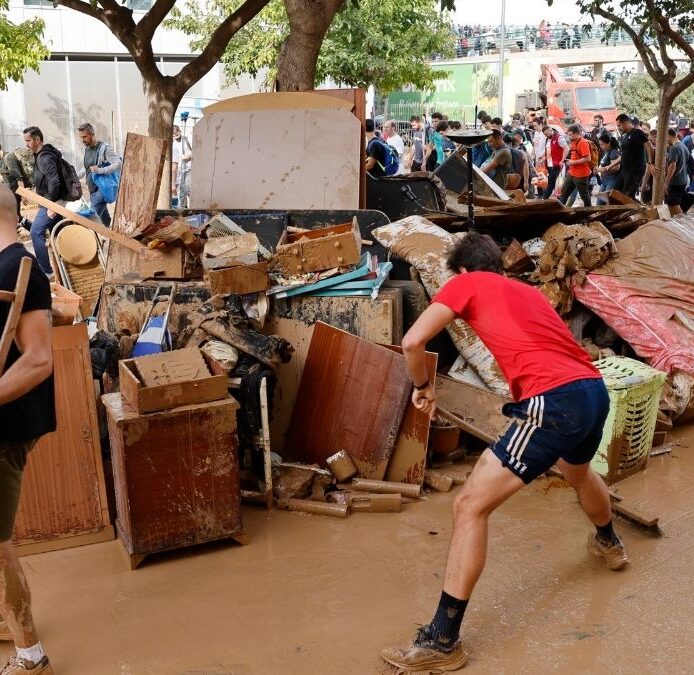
{"x": 635, "y": 390}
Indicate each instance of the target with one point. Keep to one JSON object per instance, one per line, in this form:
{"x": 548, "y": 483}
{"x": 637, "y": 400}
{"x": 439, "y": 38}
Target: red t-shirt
{"x": 533, "y": 347}
{"x": 578, "y": 150}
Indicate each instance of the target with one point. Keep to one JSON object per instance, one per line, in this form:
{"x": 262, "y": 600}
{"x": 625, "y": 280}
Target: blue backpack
{"x": 392, "y": 162}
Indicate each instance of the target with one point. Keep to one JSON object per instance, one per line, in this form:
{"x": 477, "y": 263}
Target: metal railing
{"x": 481, "y": 41}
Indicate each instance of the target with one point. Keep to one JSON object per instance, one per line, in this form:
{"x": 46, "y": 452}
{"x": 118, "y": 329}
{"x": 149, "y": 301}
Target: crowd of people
{"x": 540, "y": 160}
{"x": 479, "y": 40}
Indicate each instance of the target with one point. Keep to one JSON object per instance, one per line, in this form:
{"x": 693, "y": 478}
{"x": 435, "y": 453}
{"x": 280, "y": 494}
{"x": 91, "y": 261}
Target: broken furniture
{"x": 63, "y": 502}
{"x": 634, "y": 390}
{"x": 419, "y": 193}
{"x": 352, "y": 396}
{"x": 175, "y": 486}
{"x": 79, "y": 262}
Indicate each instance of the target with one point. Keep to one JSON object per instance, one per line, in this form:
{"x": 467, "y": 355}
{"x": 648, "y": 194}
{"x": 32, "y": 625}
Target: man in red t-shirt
{"x": 560, "y": 407}
{"x": 578, "y": 169}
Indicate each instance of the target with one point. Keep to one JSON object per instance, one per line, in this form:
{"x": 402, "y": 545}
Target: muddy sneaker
{"x": 613, "y": 554}
{"x": 5, "y": 635}
{"x": 17, "y": 666}
{"x": 426, "y": 654}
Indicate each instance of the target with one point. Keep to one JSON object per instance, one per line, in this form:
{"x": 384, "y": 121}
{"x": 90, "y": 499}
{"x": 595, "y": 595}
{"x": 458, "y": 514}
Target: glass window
{"x": 595, "y": 98}
{"x": 38, "y": 3}
{"x": 139, "y": 5}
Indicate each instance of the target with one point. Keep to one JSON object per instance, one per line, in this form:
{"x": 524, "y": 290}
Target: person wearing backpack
{"x": 578, "y": 167}
{"x": 99, "y": 158}
{"x": 52, "y": 180}
{"x": 381, "y": 159}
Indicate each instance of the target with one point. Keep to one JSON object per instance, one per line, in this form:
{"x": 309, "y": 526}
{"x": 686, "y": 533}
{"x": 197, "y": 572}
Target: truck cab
{"x": 570, "y": 102}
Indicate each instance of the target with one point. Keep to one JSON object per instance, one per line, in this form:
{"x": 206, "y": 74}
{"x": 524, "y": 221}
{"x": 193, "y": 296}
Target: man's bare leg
{"x": 595, "y": 501}
{"x": 490, "y": 484}
{"x": 591, "y": 489}
{"x": 15, "y": 598}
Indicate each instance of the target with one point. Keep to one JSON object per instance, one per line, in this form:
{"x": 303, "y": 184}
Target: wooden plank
{"x": 113, "y": 235}
{"x": 143, "y": 165}
{"x": 14, "y": 313}
{"x": 478, "y": 409}
{"x": 409, "y": 456}
{"x": 63, "y": 493}
{"x": 282, "y": 100}
{"x": 294, "y": 319}
{"x": 352, "y": 397}
{"x": 68, "y": 541}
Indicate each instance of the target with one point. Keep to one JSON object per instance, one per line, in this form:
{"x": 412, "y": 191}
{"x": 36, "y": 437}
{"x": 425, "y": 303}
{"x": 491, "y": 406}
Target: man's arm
{"x": 33, "y": 338}
{"x": 174, "y": 178}
{"x": 650, "y": 151}
{"x": 111, "y": 158}
{"x": 671, "y": 167}
{"x": 186, "y": 155}
{"x": 430, "y": 323}
{"x": 565, "y": 148}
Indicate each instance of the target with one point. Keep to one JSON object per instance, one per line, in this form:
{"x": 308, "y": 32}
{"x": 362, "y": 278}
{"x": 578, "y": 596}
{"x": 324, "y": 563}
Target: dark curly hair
{"x": 475, "y": 253}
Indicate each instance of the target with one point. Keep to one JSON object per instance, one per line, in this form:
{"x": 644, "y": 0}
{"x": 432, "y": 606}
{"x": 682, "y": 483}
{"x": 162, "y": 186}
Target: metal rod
{"x": 470, "y": 191}
{"x": 502, "y": 46}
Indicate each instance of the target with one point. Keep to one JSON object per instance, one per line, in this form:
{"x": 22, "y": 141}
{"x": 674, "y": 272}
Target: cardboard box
{"x": 321, "y": 249}
{"x": 239, "y": 280}
{"x": 228, "y": 251}
{"x": 144, "y": 399}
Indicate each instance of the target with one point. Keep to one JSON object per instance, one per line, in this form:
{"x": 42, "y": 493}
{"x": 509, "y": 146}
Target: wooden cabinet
{"x": 63, "y": 500}
{"x": 176, "y": 475}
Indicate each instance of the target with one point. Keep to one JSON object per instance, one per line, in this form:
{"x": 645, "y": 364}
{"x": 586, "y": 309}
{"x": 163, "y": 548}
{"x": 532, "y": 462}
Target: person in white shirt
{"x": 395, "y": 140}
{"x": 539, "y": 144}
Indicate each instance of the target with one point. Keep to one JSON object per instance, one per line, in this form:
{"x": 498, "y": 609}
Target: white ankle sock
{"x": 33, "y": 654}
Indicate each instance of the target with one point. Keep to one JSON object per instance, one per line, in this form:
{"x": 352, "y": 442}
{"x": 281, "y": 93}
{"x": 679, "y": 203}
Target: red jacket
{"x": 557, "y": 152}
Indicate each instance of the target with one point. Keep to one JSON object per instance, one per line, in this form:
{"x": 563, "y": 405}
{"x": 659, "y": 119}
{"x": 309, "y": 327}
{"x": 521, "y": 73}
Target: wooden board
{"x": 63, "y": 493}
{"x": 277, "y": 159}
{"x": 377, "y": 320}
{"x": 480, "y": 409}
{"x": 278, "y": 100}
{"x": 143, "y": 165}
{"x": 240, "y": 279}
{"x": 352, "y": 396}
{"x": 409, "y": 456}
{"x": 175, "y": 486}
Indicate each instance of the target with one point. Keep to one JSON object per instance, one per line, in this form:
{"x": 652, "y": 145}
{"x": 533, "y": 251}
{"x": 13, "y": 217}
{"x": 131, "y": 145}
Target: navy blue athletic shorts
{"x": 563, "y": 423}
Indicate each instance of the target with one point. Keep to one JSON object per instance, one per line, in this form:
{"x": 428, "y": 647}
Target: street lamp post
{"x": 502, "y": 47}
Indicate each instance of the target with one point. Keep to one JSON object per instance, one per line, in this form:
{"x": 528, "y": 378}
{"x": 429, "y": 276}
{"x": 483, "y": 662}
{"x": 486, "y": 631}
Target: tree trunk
{"x": 161, "y": 108}
{"x": 309, "y": 21}
{"x": 666, "y": 101}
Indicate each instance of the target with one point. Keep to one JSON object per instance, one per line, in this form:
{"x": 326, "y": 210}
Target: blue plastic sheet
{"x": 108, "y": 185}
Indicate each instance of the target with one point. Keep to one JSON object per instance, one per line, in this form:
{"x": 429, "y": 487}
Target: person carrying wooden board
{"x": 559, "y": 409}
{"x": 27, "y": 412}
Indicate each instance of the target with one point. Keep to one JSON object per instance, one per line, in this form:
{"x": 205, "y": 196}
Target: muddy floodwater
{"x": 312, "y": 595}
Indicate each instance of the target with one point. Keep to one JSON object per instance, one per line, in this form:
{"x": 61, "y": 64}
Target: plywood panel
{"x": 294, "y": 319}
{"x": 352, "y": 397}
{"x": 277, "y": 159}
{"x": 143, "y": 164}
{"x": 409, "y": 456}
{"x": 63, "y": 493}
{"x": 280, "y": 100}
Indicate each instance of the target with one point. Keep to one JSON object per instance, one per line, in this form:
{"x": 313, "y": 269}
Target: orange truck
{"x": 570, "y": 101}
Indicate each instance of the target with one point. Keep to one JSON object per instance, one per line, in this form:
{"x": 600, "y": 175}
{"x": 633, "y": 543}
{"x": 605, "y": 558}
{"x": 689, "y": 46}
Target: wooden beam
{"x": 84, "y": 222}
{"x": 15, "y": 312}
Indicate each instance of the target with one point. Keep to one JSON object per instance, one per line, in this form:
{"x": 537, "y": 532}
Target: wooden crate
{"x": 144, "y": 399}
{"x": 320, "y": 249}
{"x": 176, "y": 475}
{"x": 63, "y": 500}
{"x": 239, "y": 279}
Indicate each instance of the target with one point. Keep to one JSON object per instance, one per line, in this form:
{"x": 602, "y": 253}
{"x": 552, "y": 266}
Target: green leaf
{"x": 21, "y": 47}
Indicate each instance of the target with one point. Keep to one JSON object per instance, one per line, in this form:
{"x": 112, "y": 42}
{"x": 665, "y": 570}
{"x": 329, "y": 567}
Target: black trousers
{"x": 552, "y": 175}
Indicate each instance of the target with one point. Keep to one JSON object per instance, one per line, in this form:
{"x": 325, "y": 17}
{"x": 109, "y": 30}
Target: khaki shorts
{"x": 13, "y": 457}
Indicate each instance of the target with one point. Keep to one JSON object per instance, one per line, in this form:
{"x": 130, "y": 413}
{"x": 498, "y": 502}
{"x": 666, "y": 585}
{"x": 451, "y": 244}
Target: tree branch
{"x": 675, "y": 36}
{"x": 217, "y": 44}
{"x": 151, "y": 21}
{"x": 687, "y": 81}
{"x": 654, "y": 69}
{"x": 82, "y": 7}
